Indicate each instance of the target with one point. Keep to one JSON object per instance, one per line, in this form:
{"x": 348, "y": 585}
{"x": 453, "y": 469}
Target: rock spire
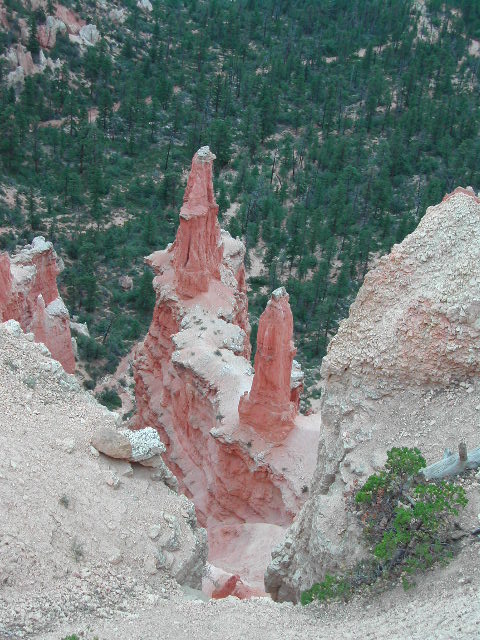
{"x": 268, "y": 408}
{"x": 197, "y": 249}
{"x": 190, "y": 372}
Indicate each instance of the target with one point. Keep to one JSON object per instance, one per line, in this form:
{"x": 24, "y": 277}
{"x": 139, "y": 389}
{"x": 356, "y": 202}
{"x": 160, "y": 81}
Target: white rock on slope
{"x": 403, "y": 370}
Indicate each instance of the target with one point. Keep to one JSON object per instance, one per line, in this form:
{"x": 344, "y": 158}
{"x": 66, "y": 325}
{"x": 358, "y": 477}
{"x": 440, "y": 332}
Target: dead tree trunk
{"x": 453, "y": 463}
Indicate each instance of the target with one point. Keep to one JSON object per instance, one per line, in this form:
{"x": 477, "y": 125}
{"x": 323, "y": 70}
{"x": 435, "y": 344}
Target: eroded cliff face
{"x": 29, "y": 295}
{"x": 190, "y": 373}
{"x": 403, "y": 370}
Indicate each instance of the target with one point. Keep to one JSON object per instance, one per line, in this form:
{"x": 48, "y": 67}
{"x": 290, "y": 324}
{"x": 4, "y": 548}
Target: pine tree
{"x": 33, "y": 45}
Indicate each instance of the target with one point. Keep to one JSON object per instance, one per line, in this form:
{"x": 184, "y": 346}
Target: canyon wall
{"x": 29, "y": 295}
{"x": 403, "y": 370}
{"x": 190, "y": 373}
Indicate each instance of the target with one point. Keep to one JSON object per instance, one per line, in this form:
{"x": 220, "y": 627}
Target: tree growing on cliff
{"x": 33, "y": 45}
{"x": 407, "y": 523}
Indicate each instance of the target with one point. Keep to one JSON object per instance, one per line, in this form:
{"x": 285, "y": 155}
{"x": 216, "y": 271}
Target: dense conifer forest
{"x": 335, "y": 124}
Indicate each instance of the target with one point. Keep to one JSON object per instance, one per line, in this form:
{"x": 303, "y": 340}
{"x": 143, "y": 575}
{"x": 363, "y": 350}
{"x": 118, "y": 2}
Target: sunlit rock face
{"x": 190, "y": 373}
{"x": 403, "y": 370}
{"x": 29, "y": 295}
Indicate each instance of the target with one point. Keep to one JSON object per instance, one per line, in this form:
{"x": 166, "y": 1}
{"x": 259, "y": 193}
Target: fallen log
{"x": 453, "y": 463}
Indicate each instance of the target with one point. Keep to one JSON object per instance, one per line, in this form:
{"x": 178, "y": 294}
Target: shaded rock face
{"x": 197, "y": 248}
{"x": 29, "y": 295}
{"x": 190, "y": 373}
{"x": 269, "y": 407}
{"x": 403, "y": 370}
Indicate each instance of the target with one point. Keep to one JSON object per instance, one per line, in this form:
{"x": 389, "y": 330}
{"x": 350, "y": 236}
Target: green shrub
{"x": 331, "y": 588}
{"x": 110, "y": 399}
{"x": 407, "y": 524}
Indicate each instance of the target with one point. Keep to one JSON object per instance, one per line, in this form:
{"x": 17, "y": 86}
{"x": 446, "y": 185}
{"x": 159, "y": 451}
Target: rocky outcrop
{"x": 268, "y": 407}
{"x": 143, "y": 446}
{"x": 47, "y": 33}
{"x": 70, "y": 19}
{"x": 403, "y": 370}
{"x": 89, "y": 34}
{"x": 190, "y": 373}
{"x": 21, "y": 65}
{"x": 126, "y": 282}
{"x": 66, "y": 21}
{"x": 29, "y": 295}
{"x": 146, "y": 5}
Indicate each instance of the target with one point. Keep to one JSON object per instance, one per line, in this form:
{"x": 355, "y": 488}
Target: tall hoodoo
{"x": 197, "y": 248}
{"x": 190, "y": 372}
{"x": 29, "y": 295}
{"x": 268, "y": 408}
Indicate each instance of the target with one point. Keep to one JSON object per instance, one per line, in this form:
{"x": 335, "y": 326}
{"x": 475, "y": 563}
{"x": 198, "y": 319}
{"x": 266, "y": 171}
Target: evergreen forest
{"x": 335, "y": 123}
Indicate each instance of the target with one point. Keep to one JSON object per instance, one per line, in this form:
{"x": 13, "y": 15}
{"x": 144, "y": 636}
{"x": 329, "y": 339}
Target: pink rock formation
{"x": 72, "y": 21}
{"x": 5, "y": 278}
{"x": 268, "y": 408}
{"x": 47, "y": 33}
{"x": 468, "y": 192}
{"x": 234, "y": 586}
{"x": 29, "y": 295}
{"x": 197, "y": 249}
{"x": 18, "y": 56}
{"x": 190, "y": 373}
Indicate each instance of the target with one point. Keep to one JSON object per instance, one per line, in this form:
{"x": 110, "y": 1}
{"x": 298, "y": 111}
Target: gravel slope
{"x": 444, "y": 605}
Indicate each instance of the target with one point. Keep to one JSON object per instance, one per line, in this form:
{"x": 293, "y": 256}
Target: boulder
{"x": 112, "y": 443}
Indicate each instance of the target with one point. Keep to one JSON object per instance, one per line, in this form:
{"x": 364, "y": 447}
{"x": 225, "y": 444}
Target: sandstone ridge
{"x": 403, "y": 370}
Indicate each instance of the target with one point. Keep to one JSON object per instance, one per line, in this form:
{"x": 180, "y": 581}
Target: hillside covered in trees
{"x": 335, "y": 124}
